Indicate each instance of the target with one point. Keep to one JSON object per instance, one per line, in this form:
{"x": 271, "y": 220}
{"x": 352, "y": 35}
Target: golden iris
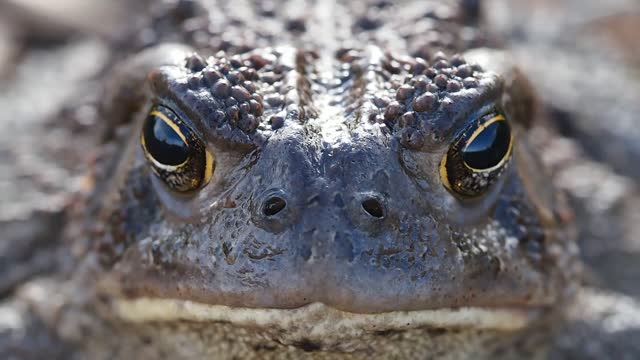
{"x": 478, "y": 155}
{"x": 175, "y": 152}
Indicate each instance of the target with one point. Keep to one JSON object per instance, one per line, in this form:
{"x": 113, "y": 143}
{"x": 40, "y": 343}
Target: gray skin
{"x": 426, "y": 249}
{"x": 324, "y": 125}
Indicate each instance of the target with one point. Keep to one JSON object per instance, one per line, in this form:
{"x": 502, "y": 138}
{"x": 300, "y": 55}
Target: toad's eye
{"x": 175, "y": 152}
{"x": 477, "y": 156}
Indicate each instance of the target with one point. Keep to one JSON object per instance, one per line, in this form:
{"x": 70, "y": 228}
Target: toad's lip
{"x": 319, "y": 320}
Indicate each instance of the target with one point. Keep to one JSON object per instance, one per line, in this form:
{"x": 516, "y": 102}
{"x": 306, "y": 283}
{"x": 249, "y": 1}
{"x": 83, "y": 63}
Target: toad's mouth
{"x": 317, "y": 320}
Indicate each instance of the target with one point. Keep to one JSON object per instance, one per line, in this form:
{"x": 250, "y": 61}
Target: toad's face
{"x": 365, "y": 183}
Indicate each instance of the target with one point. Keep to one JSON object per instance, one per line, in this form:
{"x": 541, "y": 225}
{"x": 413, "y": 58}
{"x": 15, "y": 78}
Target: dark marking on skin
{"x": 435, "y": 332}
{"x": 227, "y": 249}
{"x": 260, "y": 348}
{"x": 389, "y": 333}
{"x": 308, "y": 345}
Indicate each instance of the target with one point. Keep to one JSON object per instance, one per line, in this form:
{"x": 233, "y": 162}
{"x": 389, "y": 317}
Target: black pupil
{"x": 163, "y": 143}
{"x": 489, "y": 147}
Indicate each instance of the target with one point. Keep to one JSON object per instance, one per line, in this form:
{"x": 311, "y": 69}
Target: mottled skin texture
{"x": 330, "y": 153}
{"x": 325, "y": 113}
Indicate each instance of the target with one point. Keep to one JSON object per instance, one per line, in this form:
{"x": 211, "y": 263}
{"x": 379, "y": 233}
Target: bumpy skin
{"x": 325, "y": 154}
{"x": 325, "y": 123}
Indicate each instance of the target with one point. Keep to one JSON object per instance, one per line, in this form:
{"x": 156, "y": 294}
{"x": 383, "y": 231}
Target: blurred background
{"x": 583, "y": 56}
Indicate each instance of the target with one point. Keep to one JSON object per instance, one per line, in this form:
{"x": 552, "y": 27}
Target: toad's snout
{"x": 278, "y": 209}
{"x": 315, "y": 186}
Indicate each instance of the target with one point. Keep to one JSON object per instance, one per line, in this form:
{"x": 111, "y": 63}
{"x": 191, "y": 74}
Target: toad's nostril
{"x": 273, "y": 205}
{"x": 373, "y": 207}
